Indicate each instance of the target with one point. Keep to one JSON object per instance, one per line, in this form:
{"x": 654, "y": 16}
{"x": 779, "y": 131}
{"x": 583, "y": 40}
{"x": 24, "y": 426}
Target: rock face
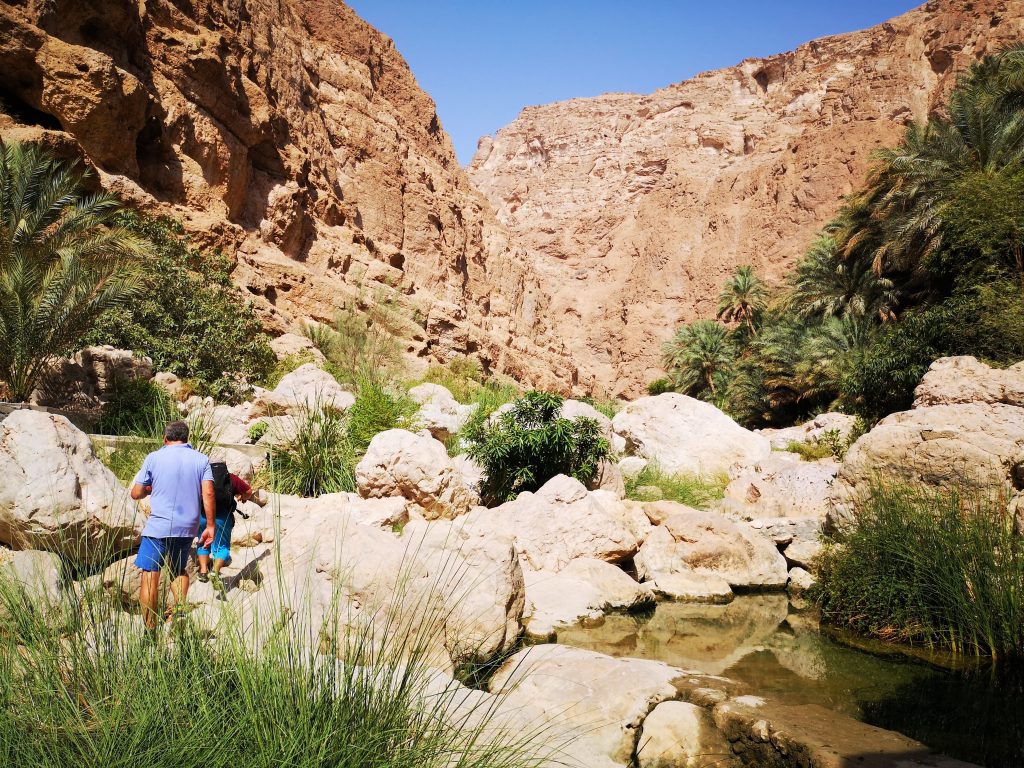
{"x": 292, "y": 135}
{"x": 644, "y": 204}
{"x": 685, "y": 435}
{"x": 967, "y": 433}
{"x": 440, "y": 413}
{"x": 305, "y": 387}
{"x": 88, "y": 378}
{"x": 417, "y": 468}
{"x": 57, "y": 495}
{"x": 781, "y": 486}
{"x": 682, "y": 735}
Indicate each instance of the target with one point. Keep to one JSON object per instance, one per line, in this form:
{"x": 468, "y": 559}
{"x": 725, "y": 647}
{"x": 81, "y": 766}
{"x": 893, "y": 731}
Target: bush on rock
{"x": 530, "y": 443}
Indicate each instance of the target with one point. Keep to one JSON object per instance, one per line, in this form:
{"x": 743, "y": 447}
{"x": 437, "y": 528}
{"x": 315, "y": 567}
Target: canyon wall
{"x": 642, "y": 205}
{"x": 291, "y": 135}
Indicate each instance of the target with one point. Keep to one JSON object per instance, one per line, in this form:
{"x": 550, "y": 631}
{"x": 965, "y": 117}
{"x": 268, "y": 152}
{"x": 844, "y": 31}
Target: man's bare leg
{"x": 179, "y": 587}
{"x": 204, "y": 563}
{"x": 149, "y": 588}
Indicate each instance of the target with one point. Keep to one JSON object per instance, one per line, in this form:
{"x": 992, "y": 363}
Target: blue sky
{"x": 484, "y": 61}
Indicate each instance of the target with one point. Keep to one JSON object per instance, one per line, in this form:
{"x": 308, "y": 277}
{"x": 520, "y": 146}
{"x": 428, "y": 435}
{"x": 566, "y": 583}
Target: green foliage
{"x": 810, "y": 451}
{"x": 660, "y": 387}
{"x": 65, "y": 259}
{"x": 462, "y": 376}
{"x": 126, "y": 459}
{"x": 377, "y": 408}
{"x": 286, "y": 365}
{"x": 743, "y": 299}
{"x": 88, "y": 687}
{"x": 256, "y": 431}
{"x": 693, "y": 490}
{"x": 313, "y": 455}
{"x": 699, "y": 358}
{"x": 606, "y": 406}
{"x": 136, "y": 407}
{"x": 921, "y": 566}
{"x": 189, "y": 317}
{"x": 530, "y": 443}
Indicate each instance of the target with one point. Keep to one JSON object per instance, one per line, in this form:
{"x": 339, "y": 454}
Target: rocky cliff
{"x": 643, "y": 204}
{"x": 292, "y": 135}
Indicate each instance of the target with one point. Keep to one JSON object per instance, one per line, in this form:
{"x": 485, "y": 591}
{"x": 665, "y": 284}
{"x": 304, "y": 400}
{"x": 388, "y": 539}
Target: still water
{"x": 975, "y": 714}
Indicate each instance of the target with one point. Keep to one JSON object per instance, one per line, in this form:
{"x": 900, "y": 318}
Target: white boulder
{"x": 781, "y": 486}
{"x": 57, "y": 495}
{"x": 417, "y": 468}
{"x": 685, "y": 435}
{"x": 439, "y": 413}
{"x": 677, "y": 734}
{"x": 305, "y": 387}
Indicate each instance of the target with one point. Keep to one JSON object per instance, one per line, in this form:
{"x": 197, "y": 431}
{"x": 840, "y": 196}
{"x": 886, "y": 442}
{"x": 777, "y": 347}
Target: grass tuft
{"x": 693, "y": 490}
{"x": 926, "y": 567}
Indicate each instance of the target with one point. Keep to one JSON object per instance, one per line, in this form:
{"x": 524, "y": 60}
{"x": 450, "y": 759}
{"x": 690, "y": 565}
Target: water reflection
{"x": 778, "y": 652}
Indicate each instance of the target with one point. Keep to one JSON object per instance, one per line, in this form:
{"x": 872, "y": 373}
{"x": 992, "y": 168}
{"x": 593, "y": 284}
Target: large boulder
{"x": 781, "y": 485}
{"x": 582, "y": 591}
{"x": 603, "y": 698}
{"x": 37, "y": 573}
{"x": 439, "y": 413}
{"x": 577, "y": 409}
{"x": 947, "y": 441}
{"x": 307, "y": 386}
{"x": 708, "y": 544}
{"x": 563, "y": 521}
{"x": 87, "y": 379}
{"x": 293, "y": 345}
{"x": 57, "y": 495}
{"x": 684, "y": 435}
{"x": 417, "y": 468}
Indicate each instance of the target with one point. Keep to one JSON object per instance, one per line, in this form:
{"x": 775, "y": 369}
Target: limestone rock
{"x": 576, "y": 409}
{"x": 800, "y": 580}
{"x": 681, "y": 735}
{"x": 563, "y": 521}
{"x": 685, "y": 435}
{"x": 37, "y": 573}
{"x": 709, "y": 544}
{"x": 87, "y": 379}
{"x": 439, "y": 412}
{"x": 781, "y": 485}
{"x": 582, "y": 591}
{"x": 631, "y": 466}
{"x": 57, "y": 495}
{"x": 951, "y": 380}
{"x": 607, "y": 699}
{"x": 803, "y": 553}
{"x": 417, "y": 468}
{"x": 811, "y": 431}
{"x": 977, "y": 447}
{"x": 658, "y": 565}
{"x": 608, "y": 478}
{"x": 305, "y": 387}
{"x": 169, "y": 382}
{"x": 295, "y": 344}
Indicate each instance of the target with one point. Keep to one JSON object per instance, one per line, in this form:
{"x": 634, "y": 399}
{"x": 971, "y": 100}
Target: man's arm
{"x": 140, "y": 491}
{"x": 143, "y": 484}
{"x": 210, "y": 508}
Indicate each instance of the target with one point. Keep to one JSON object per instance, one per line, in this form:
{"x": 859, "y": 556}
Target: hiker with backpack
{"x": 228, "y": 490}
{"x": 179, "y": 483}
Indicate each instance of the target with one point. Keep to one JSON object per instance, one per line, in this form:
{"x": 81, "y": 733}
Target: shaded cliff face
{"x": 292, "y": 135}
{"x": 642, "y": 205}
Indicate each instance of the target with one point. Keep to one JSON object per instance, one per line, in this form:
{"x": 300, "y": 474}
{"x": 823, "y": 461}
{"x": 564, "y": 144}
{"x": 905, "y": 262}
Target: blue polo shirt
{"x": 176, "y": 473}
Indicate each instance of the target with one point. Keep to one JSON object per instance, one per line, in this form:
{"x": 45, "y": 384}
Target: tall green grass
{"x": 654, "y": 484}
{"x": 928, "y": 567}
{"x": 93, "y": 688}
{"x": 312, "y": 454}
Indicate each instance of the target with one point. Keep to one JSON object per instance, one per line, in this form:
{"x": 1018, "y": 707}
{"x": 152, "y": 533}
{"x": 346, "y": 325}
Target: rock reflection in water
{"x": 758, "y": 640}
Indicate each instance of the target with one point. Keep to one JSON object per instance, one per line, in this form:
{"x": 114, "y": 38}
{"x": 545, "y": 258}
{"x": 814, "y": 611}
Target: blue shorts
{"x": 221, "y": 547}
{"x": 172, "y": 552}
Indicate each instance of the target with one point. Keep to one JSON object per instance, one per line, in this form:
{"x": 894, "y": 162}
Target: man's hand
{"x": 206, "y": 537}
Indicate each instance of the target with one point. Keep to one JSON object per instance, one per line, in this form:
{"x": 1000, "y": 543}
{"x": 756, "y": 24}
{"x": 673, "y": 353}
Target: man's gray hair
{"x": 176, "y": 432}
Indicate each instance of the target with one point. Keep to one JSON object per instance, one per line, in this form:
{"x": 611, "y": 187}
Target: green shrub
{"x": 94, "y": 689}
{"x": 660, "y": 387}
{"x": 810, "y": 451}
{"x": 606, "y": 406}
{"x": 136, "y": 407}
{"x": 257, "y": 431}
{"x": 692, "y": 490}
{"x": 189, "y": 317}
{"x": 313, "y": 455}
{"x": 530, "y": 444}
{"x": 377, "y": 408}
{"x": 362, "y": 346}
{"x": 125, "y": 460}
{"x": 462, "y": 376}
{"x": 922, "y": 566}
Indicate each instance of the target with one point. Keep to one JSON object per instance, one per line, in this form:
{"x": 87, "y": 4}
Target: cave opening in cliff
{"x": 24, "y": 113}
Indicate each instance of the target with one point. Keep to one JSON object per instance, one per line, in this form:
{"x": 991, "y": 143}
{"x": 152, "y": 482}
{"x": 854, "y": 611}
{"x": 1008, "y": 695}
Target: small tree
{"x": 742, "y": 299}
{"x": 63, "y": 261}
{"x": 530, "y": 443}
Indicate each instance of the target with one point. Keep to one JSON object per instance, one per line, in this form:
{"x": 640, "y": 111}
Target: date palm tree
{"x": 699, "y": 357}
{"x": 824, "y": 285}
{"x": 742, "y": 298}
{"x": 62, "y": 261}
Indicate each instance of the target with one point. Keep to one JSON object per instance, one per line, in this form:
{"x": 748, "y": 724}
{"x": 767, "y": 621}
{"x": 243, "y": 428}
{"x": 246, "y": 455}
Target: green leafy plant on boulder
{"x": 530, "y": 443}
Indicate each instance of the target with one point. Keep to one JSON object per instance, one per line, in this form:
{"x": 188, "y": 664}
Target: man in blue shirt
{"x": 179, "y": 482}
